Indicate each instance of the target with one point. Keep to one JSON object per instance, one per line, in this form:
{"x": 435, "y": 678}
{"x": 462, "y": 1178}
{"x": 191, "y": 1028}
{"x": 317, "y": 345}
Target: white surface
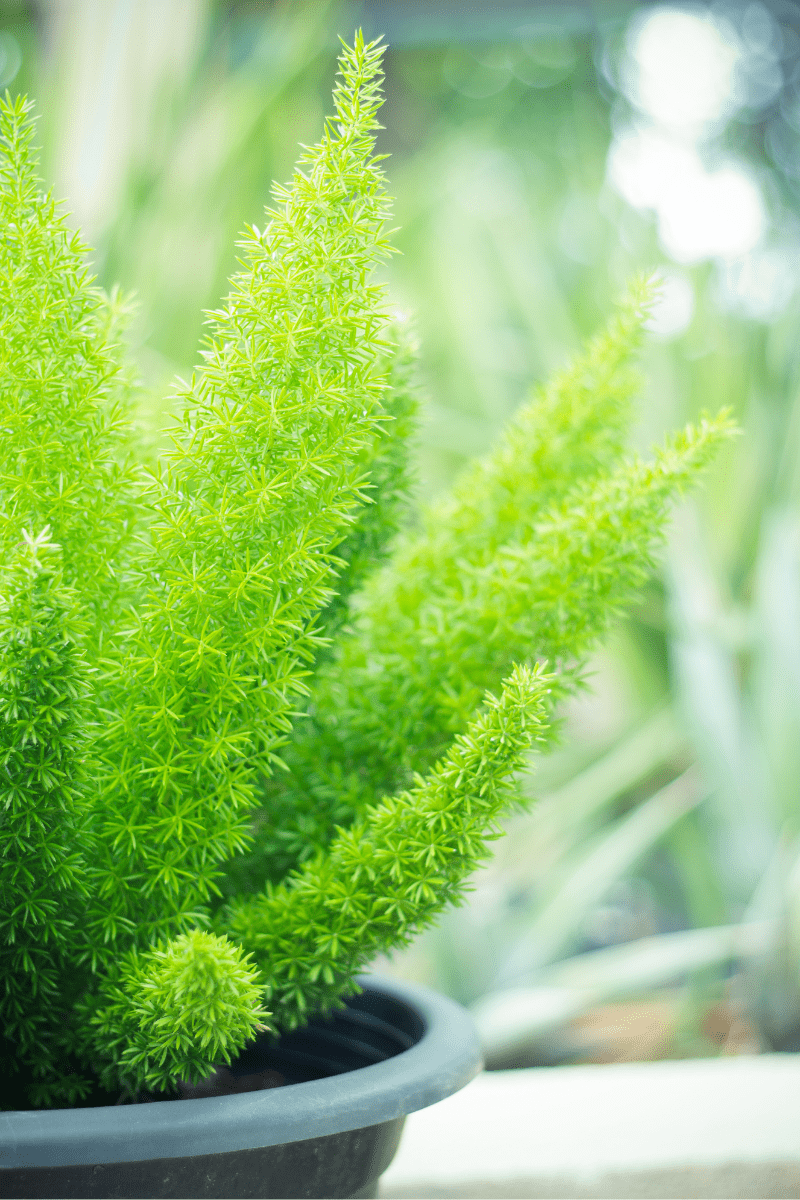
{"x": 588, "y": 1121}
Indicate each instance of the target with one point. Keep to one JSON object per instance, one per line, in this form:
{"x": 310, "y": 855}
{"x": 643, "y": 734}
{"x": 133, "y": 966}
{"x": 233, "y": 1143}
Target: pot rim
{"x": 446, "y": 1057}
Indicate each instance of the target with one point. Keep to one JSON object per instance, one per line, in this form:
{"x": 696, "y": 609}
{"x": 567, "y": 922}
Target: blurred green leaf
{"x": 511, "y": 1021}
{"x": 586, "y": 878}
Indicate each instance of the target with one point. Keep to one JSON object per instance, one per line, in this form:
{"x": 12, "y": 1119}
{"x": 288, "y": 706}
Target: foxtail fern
{"x": 259, "y": 720}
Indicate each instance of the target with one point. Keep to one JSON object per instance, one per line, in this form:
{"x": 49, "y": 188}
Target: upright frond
{"x": 291, "y": 820}
{"x": 264, "y": 480}
{"x": 63, "y": 387}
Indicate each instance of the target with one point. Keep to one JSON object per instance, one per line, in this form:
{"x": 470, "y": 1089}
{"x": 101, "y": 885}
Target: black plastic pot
{"x": 330, "y": 1132}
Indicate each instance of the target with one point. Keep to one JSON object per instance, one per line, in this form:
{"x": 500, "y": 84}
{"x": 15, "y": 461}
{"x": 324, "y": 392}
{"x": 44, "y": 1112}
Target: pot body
{"x": 330, "y": 1132}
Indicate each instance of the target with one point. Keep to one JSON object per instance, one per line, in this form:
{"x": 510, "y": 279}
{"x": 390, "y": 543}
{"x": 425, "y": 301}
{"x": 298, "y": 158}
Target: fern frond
{"x": 263, "y": 482}
{"x": 174, "y": 1012}
{"x": 391, "y": 874}
{"x": 64, "y": 388}
{"x": 426, "y": 643}
{"x": 291, "y": 822}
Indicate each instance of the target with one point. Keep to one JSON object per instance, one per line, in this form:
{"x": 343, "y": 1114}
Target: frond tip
{"x": 178, "y": 1010}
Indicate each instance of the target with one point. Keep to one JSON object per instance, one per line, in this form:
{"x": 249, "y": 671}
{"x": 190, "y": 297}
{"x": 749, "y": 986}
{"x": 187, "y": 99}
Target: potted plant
{"x": 259, "y": 722}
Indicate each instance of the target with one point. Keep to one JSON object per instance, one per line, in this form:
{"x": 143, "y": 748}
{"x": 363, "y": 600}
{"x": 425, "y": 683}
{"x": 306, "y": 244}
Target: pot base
{"x": 345, "y": 1165}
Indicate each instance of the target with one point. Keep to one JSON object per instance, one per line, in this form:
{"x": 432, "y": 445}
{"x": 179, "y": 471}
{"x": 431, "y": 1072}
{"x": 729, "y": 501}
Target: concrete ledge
{"x": 704, "y": 1128}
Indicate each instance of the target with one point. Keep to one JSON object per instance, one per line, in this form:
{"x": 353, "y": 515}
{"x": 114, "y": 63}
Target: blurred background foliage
{"x": 649, "y": 905}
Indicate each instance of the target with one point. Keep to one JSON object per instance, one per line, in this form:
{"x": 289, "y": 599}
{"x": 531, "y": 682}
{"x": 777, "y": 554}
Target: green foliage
{"x": 395, "y": 869}
{"x": 172, "y": 1011}
{"x": 275, "y": 657}
{"x": 246, "y": 516}
{"x": 63, "y": 461}
{"x": 300, "y": 805}
{"x": 532, "y": 554}
{"x": 386, "y": 464}
{"x": 45, "y": 846}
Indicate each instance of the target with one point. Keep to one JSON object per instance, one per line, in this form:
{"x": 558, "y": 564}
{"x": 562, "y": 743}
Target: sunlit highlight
{"x": 681, "y": 69}
{"x": 686, "y": 72}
